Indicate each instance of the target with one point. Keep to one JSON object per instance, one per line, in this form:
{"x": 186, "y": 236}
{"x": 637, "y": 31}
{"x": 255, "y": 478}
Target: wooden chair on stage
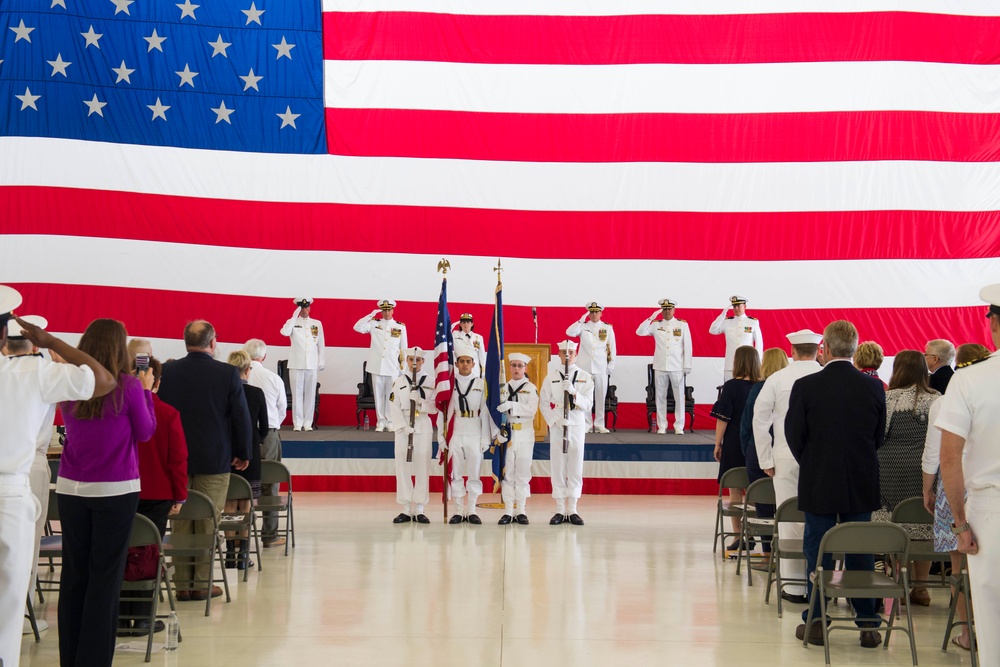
{"x": 651, "y": 401}
{"x": 365, "y": 400}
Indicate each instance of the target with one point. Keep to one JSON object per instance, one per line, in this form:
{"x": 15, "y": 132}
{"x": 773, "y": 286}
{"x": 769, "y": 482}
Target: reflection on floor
{"x": 638, "y": 585}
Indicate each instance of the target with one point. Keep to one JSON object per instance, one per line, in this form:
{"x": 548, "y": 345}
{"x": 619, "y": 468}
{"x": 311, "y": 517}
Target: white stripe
{"x": 812, "y": 186}
{"x": 657, "y": 7}
{"x": 663, "y": 88}
{"x": 919, "y": 283}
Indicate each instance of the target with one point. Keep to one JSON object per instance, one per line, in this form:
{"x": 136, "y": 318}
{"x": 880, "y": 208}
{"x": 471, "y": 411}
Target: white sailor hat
{"x": 10, "y": 299}
{"x": 990, "y": 294}
{"x": 303, "y": 301}
{"x": 666, "y": 303}
{"x": 466, "y": 317}
{"x": 386, "y": 303}
{"x": 595, "y": 306}
{"x": 14, "y": 329}
{"x": 803, "y": 337}
{"x": 463, "y": 350}
{"x": 415, "y": 352}
{"x": 567, "y": 346}
{"x": 737, "y": 300}
{"x": 517, "y": 356}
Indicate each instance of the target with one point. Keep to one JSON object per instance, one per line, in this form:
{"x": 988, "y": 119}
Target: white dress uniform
{"x": 598, "y": 353}
{"x": 28, "y": 386}
{"x": 672, "y": 359}
{"x": 412, "y": 479}
{"x": 971, "y": 409}
{"x": 478, "y": 345}
{"x": 521, "y": 400}
{"x": 385, "y": 359}
{"x": 567, "y": 469}
{"x": 769, "y": 413}
{"x": 739, "y": 331}
{"x": 307, "y": 356}
{"x": 470, "y": 438}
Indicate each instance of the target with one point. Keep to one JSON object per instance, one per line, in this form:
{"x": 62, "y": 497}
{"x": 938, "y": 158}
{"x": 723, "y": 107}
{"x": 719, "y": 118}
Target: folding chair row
{"x": 279, "y": 506}
{"x": 734, "y": 478}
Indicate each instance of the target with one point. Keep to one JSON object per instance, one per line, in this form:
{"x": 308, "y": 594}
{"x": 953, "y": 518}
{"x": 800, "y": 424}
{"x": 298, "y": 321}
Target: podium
{"x": 540, "y": 354}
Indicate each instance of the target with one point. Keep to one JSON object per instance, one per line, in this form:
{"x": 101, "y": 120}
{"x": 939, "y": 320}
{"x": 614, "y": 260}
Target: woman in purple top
{"x": 98, "y": 493}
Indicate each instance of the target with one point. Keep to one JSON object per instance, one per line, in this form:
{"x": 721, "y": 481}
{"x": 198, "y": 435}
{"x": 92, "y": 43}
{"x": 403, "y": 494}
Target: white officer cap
{"x": 10, "y": 299}
{"x": 595, "y": 306}
{"x": 416, "y": 352}
{"x": 666, "y": 303}
{"x": 517, "y": 356}
{"x": 990, "y": 294}
{"x": 463, "y": 350}
{"x": 14, "y": 329}
{"x": 567, "y": 346}
{"x": 303, "y": 301}
{"x": 386, "y": 303}
{"x": 737, "y": 300}
{"x": 804, "y": 337}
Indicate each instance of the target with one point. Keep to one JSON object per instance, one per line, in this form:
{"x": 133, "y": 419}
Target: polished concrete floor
{"x": 638, "y": 585}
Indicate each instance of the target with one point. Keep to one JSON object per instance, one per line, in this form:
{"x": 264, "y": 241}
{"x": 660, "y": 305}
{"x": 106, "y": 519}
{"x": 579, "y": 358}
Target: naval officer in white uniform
{"x": 598, "y": 353}
{"x": 672, "y": 359}
{"x": 740, "y": 329}
{"x": 385, "y": 357}
{"x": 464, "y": 335}
{"x": 307, "y": 357}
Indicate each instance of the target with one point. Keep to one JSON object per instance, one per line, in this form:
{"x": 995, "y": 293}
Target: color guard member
{"x": 385, "y": 357}
{"x": 598, "y": 354}
{"x": 519, "y": 399}
{"x": 470, "y": 436}
{"x": 412, "y": 477}
{"x": 307, "y": 357}
{"x": 740, "y": 329}
{"x": 671, "y": 362}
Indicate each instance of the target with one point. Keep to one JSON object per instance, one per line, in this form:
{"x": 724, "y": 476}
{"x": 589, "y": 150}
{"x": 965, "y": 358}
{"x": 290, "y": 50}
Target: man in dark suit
{"x": 939, "y": 354}
{"x": 834, "y": 426}
{"x": 209, "y": 396}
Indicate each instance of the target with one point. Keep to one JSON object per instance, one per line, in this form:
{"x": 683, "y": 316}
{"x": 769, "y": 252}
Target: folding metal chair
{"x": 199, "y": 547}
{"x": 276, "y": 472}
{"x": 761, "y": 491}
{"x": 961, "y": 583}
{"x": 912, "y": 511}
{"x": 145, "y": 533}
{"x": 50, "y": 548}
{"x": 734, "y": 478}
{"x": 860, "y": 537}
{"x": 30, "y": 615}
{"x": 238, "y": 522}
{"x": 784, "y": 548}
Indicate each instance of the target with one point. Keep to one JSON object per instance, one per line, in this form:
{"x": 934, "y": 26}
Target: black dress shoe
{"x": 815, "y": 634}
{"x": 576, "y": 519}
{"x": 556, "y": 519}
{"x": 870, "y": 639}
{"x": 522, "y": 519}
{"x": 505, "y": 519}
{"x": 402, "y": 518}
{"x": 794, "y": 599}
{"x": 456, "y": 519}
{"x": 474, "y": 519}
{"x": 421, "y": 518}
{"x": 142, "y": 628}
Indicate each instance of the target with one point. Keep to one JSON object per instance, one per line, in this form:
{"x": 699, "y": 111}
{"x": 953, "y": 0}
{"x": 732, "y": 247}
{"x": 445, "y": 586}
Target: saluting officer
{"x": 519, "y": 399}
{"x": 466, "y": 336}
{"x": 740, "y": 329}
{"x": 470, "y": 436}
{"x": 671, "y": 362}
{"x": 412, "y": 478}
{"x": 567, "y": 468}
{"x": 308, "y": 355}
{"x": 385, "y": 357}
{"x": 598, "y": 353}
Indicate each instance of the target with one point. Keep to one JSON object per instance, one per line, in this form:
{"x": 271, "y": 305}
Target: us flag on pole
{"x": 444, "y": 371}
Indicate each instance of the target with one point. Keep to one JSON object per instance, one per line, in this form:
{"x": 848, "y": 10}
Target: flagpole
{"x": 503, "y": 439}
{"x": 443, "y": 267}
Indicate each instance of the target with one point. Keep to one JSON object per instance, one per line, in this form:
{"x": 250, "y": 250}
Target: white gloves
{"x": 415, "y": 394}
{"x": 408, "y": 429}
{"x": 567, "y": 386}
{"x": 485, "y": 446}
{"x": 686, "y": 371}
{"x": 505, "y": 406}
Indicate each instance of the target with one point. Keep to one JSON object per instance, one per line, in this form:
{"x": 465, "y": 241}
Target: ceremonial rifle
{"x": 413, "y": 410}
{"x": 566, "y": 404}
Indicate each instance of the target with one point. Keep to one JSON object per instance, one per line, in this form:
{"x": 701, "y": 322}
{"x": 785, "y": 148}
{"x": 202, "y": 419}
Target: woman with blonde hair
{"x": 868, "y": 359}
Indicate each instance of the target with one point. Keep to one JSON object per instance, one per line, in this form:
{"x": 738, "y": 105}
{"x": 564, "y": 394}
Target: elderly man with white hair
{"x": 270, "y": 447}
{"x": 939, "y": 355}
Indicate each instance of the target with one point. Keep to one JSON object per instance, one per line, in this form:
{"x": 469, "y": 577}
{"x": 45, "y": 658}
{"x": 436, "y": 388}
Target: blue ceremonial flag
{"x": 495, "y": 378}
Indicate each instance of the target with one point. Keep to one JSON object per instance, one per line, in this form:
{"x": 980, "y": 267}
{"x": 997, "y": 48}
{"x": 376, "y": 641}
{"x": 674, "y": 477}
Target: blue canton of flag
{"x": 241, "y": 75}
{"x": 494, "y": 380}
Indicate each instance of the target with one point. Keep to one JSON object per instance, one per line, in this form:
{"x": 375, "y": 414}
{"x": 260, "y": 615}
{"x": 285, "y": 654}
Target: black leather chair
{"x": 365, "y": 400}
{"x": 286, "y": 378}
{"x": 610, "y": 408}
{"x": 651, "y": 400}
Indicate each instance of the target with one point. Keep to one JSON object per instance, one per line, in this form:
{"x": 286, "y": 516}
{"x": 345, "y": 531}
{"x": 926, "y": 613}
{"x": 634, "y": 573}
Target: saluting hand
{"x": 38, "y": 336}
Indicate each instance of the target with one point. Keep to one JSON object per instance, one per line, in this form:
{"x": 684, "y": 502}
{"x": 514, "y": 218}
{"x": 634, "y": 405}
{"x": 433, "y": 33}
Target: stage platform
{"x": 342, "y": 458}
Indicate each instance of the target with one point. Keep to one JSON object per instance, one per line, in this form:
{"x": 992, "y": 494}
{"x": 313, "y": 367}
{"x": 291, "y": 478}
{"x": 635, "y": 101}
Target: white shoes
{"x": 297, "y": 428}
{"x": 309, "y": 428}
{"x": 379, "y": 428}
{"x": 661, "y": 431}
{"x": 678, "y": 431}
{"x": 601, "y": 429}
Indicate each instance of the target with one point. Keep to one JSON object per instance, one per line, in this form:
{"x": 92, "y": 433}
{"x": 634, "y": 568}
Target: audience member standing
{"x": 270, "y": 447}
{"x": 98, "y": 493}
{"x": 777, "y": 461}
{"x": 970, "y": 422}
{"x": 209, "y": 396}
{"x": 28, "y": 386}
{"x": 868, "y": 359}
{"x": 939, "y": 354}
{"x": 306, "y": 359}
{"x": 834, "y": 427}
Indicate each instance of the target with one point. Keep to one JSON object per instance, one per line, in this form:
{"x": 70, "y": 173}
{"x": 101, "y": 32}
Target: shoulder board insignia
{"x": 731, "y": 317}
{"x": 971, "y": 363}
{"x": 400, "y": 324}
{"x": 751, "y": 317}
{"x": 680, "y": 320}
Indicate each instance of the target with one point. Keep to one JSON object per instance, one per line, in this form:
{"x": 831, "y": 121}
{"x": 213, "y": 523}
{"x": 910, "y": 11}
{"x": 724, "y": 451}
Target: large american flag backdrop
{"x": 164, "y": 161}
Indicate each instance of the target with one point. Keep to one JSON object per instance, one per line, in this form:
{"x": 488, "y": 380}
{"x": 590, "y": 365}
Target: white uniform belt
{"x": 20, "y": 479}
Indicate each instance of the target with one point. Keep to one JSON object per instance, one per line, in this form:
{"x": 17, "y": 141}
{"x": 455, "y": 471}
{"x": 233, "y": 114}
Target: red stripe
{"x": 620, "y": 40}
{"x": 651, "y": 137}
{"x": 539, "y": 485}
{"x": 163, "y": 314}
{"x": 637, "y": 235}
